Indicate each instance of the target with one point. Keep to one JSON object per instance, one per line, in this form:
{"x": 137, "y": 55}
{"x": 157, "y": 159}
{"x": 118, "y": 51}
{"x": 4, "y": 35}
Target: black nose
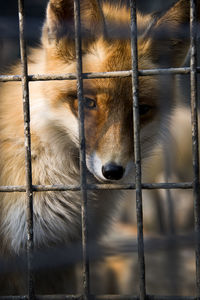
{"x": 112, "y": 171}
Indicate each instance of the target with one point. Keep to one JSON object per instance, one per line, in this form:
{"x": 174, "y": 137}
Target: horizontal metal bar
{"x": 73, "y": 76}
{"x": 152, "y": 297}
{"x": 104, "y": 186}
{"x": 97, "y": 297}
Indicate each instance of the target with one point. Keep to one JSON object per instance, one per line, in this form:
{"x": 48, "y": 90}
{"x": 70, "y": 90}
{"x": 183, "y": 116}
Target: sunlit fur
{"x": 108, "y": 127}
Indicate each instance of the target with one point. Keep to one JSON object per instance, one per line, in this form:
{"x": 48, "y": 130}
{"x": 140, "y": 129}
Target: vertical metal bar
{"x": 27, "y": 136}
{"x": 136, "y": 128}
{"x": 82, "y": 149}
{"x": 195, "y": 145}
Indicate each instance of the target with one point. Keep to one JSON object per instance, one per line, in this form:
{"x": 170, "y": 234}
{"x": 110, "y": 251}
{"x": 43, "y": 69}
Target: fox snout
{"x": 112, "y": 171}
{"x": 108, "y": 169}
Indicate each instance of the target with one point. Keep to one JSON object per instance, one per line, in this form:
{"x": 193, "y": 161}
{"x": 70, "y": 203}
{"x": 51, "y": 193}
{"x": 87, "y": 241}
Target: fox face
{"x": 106, "y": 47}
{"x": 108, "y": 102}
{"x": 108, "y": 115}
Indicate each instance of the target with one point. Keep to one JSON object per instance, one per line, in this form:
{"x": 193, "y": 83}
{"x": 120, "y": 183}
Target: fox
{"x": 163, "y": 41}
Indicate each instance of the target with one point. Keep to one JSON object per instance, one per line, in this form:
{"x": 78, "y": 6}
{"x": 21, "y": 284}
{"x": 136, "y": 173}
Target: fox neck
{"x": 57, "y": 215}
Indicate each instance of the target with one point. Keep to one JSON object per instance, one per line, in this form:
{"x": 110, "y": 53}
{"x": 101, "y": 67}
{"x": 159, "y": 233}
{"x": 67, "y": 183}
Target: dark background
{"x": 35, "y": 14}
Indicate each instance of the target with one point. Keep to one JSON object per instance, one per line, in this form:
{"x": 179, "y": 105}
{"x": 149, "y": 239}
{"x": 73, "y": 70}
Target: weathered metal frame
{"x": 97, "y": 297}
{"x": 82, "y": 151}
{"x": 27, "y": 144}
{"x": 137, "y": 150}
{"x": 83, "y": 187}
{"x": 195, "y": 141}
{"x": 73, "y": 76}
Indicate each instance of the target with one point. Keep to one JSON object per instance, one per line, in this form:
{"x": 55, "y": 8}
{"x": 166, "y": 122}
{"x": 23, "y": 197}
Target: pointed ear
{"x": 60, "y": 20}
{"x": 168, "y": 39}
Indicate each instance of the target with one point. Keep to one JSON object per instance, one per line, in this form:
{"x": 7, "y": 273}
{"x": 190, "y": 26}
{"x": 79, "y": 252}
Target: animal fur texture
{"x": 162, "y": 42}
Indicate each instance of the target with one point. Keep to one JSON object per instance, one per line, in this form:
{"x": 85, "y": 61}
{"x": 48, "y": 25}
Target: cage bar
{"x": 137, "y": 151}
{"x": 105, "y": 186}
{"x": 82, "y": 151}
{"x": 93, "y": 75}
{"x": 97, "y": 297}
{"x": 27, "y": 137}
{"x": 195, "y": 143}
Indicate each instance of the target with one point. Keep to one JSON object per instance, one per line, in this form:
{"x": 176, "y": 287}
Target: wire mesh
{"x": 84, "y": 186}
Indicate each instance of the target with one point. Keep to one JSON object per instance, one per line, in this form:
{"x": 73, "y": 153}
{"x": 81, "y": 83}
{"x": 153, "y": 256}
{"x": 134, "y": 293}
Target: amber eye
{"x": 144, "y": 109}
{"x": 90, "y": 103}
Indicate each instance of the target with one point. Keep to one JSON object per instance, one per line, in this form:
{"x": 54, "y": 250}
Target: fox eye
{"x": 144, "y": 109}
{"x": 90, "y": 103}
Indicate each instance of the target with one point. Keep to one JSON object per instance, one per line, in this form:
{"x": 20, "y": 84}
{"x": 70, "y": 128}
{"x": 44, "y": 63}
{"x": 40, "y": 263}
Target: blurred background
{"x": 35, "y": 13}
{"x": 168, "y": 215}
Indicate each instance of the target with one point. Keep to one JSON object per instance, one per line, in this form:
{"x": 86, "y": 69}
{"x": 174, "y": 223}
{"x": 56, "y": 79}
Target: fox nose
{"x": 112, "y": 171}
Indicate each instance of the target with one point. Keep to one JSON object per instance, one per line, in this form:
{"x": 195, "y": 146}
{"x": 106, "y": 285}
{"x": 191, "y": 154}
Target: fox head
{"x": 106, "y": 46}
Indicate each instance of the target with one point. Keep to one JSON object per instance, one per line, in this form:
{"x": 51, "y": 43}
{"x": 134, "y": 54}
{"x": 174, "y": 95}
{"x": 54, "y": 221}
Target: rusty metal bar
{"x": 27, "y": 137}
{"x": 97, "y": 297}
{"x": 195, "y": 143}
{"x": 105, "y": 186}
{"x": 82, "y": 151}
{"x": 73, "y": 76}
{"x": 137, "y": 150}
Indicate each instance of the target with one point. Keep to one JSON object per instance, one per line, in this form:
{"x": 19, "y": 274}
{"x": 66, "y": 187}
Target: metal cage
{"x": 25, "y": 78}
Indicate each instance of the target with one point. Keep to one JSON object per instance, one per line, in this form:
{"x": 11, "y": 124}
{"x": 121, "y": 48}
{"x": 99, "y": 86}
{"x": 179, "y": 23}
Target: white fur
{"x": 94, "y": 165}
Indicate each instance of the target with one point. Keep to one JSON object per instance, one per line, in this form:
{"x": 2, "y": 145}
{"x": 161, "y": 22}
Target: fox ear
{"x": 168, "y": 39}
{"x": 60, "y": 20}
